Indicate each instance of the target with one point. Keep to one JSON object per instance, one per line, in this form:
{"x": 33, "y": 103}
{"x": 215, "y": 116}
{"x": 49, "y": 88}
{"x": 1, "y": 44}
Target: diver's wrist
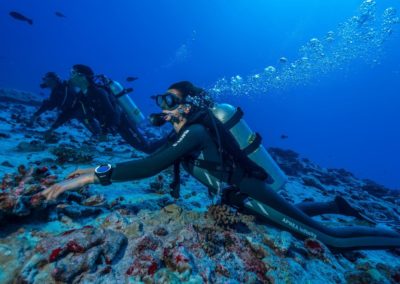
{"x": 95, "y": 179}
{"x": 103, "y": 173}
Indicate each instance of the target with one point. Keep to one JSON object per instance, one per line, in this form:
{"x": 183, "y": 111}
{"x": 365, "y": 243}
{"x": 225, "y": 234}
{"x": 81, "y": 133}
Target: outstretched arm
{"x": 189, "y": 140}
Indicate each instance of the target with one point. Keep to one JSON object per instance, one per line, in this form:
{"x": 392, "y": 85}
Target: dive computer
{"x": 103, "y": 173}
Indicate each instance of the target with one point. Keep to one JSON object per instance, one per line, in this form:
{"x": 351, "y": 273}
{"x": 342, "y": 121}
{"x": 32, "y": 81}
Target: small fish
{"x": 283, "y": 136}
{"x": 131, "y": 79}
{"x": 59, "y": 14}
{"x": 20, "y": 17}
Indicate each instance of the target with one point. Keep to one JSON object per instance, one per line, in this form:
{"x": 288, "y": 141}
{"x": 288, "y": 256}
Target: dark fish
{"x": 131, "y": 79}
{"x": 20, "y": 17}
{"x": 283, "y": 136}
{"x": 59, "y": 14}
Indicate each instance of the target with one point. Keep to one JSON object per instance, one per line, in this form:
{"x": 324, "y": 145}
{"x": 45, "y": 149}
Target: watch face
{"x": 102, "y": 169}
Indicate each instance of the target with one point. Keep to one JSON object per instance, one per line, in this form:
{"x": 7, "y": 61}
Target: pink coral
{"x": 147, "y": 243}
{"x": 143, "y": 266}
{"x": 315, "y": 248}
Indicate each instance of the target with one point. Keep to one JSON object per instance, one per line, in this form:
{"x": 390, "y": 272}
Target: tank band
{"x": 253, "y": 145}
{"x": 124, "y": 92}
{"x": 234, "y": 119}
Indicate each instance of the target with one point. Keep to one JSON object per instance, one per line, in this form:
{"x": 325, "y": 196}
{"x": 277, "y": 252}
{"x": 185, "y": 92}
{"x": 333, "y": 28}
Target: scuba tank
{"x": 249, "y": 142}
{"x": 126, "y": 103}
{"x": 121, "y": 96}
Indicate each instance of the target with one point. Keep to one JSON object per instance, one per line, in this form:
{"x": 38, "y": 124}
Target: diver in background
{"x": 64, "y": 99}
{"x": 93, "y": 101}
{"x": 96, "y": 101}
{"x": 194, "y": 145}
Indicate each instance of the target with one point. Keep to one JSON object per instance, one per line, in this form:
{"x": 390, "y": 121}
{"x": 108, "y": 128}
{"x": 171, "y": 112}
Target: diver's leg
{"x": 318, "y": 208}
{"x": 90, "y": 123}
{"x": 337, "y": 206}
{"x": 132, "y": 135}
{"x": 269, "y": 204}
{"x": 93, "y": 126}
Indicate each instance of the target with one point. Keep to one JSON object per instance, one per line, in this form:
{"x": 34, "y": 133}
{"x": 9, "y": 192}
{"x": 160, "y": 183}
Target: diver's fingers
{"x": 52, "y": 192}
{"x": 46, "y": 192}
{"x": 57, "y": 191}
{"x": 74, "y": 173}
{"x": 80, "y": 172}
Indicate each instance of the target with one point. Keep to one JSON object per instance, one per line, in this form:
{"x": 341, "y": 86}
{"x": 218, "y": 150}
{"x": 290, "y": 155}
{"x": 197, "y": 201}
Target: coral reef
{"x": 67, "y": 153}
{"x": 75, "y": 252}
{"x": 20, "y": 198}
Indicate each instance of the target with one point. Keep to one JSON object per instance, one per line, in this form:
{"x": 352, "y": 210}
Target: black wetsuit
{"x": 56, "y": 99}
{"x": 95, "y": 102}
{"x": 112, "y": 118}
{"x": 66, "y": 101}
{"x": 194, "y": 142}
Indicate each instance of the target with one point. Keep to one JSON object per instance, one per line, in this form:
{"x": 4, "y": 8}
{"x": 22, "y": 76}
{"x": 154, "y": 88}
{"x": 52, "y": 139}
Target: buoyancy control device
{"x": 249, "y": 142}
{"x": 235, "y": 139}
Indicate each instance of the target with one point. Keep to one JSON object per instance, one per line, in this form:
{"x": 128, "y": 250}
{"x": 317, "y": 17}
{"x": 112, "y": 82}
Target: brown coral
{"x": 223, "y": 215}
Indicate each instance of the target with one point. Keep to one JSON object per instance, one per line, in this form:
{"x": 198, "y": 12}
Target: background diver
{"x": 109, "y": 104}
{"x": 197, "y": 146}
{"x": 93, "y": 104}
{"x": 63, "y": 98}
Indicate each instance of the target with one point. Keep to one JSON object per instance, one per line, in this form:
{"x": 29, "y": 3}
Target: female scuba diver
{"x": 199, "y": 143}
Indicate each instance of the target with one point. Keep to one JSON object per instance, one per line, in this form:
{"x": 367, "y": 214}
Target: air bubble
{"x": 360, "y": 37}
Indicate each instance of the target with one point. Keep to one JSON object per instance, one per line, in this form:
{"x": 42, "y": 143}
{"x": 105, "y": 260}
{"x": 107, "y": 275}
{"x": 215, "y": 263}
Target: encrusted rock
{"x": 4, "y": 135}
{"x": 20, "y": 196}
{"x": 315, "y": 248}
{"x": 32, "y": 146}
{"x": 75, "y": 252}
{"x": 281, "y": 242}
{"x": 177, "y": 259}
{"x": 77, "y": 211}
{"x": 7, "y": 164}
{"x": 161, "y": 231}
{"x": 310, "y": 181}
{"x": 173, "y": 210}
{"x": 95, "y": 200}
{"x": 70, "y": 154}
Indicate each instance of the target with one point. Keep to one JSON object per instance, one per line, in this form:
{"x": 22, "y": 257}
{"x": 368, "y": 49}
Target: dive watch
{"x": 103, "y": 173}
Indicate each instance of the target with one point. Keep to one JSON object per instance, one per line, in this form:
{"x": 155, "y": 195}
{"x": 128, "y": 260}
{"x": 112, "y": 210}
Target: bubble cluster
{"x": 200, "y": 100}
{"x": 360, "y": 37}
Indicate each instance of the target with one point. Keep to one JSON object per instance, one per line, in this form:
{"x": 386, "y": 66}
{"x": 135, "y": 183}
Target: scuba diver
{"x": 203, "y": 132}
{"x": 107, "y": 101}
{"x": 57, "y": 96}
{"x": 65, "y": 99}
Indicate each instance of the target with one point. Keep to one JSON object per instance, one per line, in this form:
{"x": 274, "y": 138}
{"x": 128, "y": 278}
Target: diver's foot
{"x": 346, "y": 208}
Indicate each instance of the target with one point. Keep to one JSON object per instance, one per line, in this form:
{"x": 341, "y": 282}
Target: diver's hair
{"x": 193, "y": 95}
{"x": 186, "y": 88}
{"x": 52, "y": 75}
{"x": 85, "y": 70}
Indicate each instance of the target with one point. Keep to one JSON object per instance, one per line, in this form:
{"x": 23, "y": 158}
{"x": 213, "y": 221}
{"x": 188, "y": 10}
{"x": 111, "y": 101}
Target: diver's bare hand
{"x": 80, "y": 172}
{"x": 55, "y": 190}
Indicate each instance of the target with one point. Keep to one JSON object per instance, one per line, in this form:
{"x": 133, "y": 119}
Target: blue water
{"x": 347, "y": 117}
